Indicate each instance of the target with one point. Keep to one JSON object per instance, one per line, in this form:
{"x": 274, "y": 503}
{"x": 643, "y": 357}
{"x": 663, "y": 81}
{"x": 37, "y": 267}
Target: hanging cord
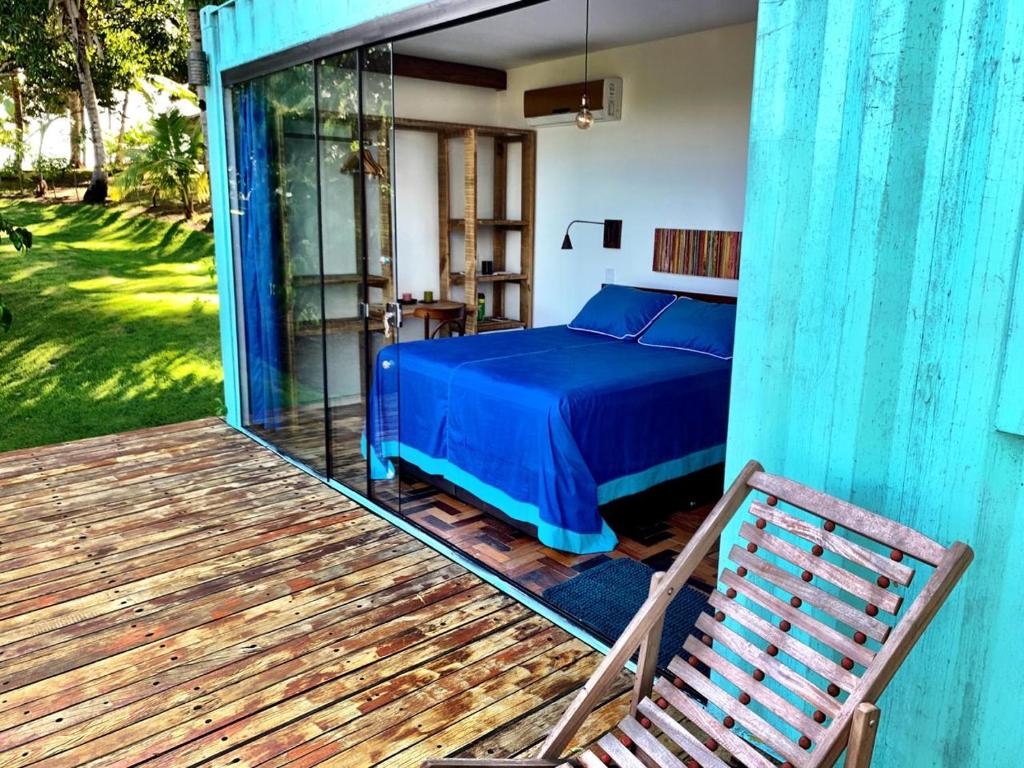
{"x": 586, "y": 53}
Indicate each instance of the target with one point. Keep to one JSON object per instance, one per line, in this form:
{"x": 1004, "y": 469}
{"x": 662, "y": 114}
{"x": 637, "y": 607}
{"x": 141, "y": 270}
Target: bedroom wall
{"x": 678, "y": 159}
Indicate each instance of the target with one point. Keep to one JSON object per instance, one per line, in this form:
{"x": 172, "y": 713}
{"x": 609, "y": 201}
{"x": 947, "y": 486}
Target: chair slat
{"x": 784, "y": 642}
{"x": 622, "y": 756}
{"x": 589, "y": 760}
{"x": 696, "y": 714}
{"x": 655, "y": 751}
{"x": 745, "y": 716}
{"x": 816, "y": 629}
{"x": 874, "y": 527}
{"x": 820, "y": 599}
{"x": 793, "y": 716}
{"x": 823, "y": 569}
{"x": 843, "y": 547}
{"x": 772, "y": 667}
{"x": 689, "y": 743}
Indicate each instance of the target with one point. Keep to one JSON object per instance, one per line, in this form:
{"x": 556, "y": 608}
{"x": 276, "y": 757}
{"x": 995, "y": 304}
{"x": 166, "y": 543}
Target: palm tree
{"x": 77, "y": 22}
{"x": 170, "y": 162}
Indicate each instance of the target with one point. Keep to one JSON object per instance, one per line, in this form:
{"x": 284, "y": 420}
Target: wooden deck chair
{"x": 803, "y": 641}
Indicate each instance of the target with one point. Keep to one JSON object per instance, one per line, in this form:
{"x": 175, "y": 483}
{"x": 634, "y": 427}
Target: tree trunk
{"x": 195, "y": 34}
{"x": 119, "y": 152}
{"x": 77, "y": 129}
{"x": 19, "y": 123}
{"x": 78, "y": 29}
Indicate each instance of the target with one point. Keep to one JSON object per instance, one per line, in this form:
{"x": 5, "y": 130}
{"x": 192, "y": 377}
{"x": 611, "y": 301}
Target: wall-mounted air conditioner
{"x": 558, "y": 105}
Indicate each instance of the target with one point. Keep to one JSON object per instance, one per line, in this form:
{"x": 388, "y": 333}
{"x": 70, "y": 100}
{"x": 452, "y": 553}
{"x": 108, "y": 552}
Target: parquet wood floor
{"x": 181, "y": 596}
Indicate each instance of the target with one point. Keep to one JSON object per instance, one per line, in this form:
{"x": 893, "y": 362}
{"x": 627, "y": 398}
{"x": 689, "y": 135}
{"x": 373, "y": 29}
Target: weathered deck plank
{"x": 180, "y": 596}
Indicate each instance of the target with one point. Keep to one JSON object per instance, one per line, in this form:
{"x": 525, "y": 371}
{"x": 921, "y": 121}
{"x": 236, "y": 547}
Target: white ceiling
{"x": 554, "y": 29}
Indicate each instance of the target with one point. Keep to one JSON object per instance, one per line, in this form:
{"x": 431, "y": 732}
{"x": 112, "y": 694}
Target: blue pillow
{"x": 620, "y": 312}
{"x": 694, "y": 326}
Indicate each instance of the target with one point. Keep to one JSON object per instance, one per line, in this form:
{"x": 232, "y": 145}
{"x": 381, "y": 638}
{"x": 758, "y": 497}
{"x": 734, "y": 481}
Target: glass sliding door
{"x": 276, "y": 232}
{"x": 376, "y": 95}
{"x": 313, "y": 211}
{"x": 357, "y": 211}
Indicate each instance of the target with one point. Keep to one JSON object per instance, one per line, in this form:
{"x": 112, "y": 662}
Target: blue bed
{"x": 548, "y": 424}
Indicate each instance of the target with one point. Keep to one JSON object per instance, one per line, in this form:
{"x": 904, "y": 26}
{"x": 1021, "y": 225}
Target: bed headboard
{"x": 714, "y": 298}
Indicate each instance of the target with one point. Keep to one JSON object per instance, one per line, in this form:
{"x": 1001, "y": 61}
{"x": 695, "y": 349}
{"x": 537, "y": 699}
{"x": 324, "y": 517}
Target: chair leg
{"x": 863, "y": 730}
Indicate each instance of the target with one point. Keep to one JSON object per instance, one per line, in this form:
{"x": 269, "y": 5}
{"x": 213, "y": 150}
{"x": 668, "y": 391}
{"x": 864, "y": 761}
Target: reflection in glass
{"x": 276, "y": 227}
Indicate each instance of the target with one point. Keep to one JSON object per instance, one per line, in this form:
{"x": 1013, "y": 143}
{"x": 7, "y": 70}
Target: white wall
{"x": 677, "y": 159}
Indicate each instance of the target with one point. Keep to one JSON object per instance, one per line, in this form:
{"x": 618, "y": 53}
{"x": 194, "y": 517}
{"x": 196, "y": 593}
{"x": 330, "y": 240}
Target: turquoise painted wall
{"x": 881, "y": 252}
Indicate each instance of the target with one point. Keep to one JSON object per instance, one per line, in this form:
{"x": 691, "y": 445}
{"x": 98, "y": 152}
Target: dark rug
{"x": 604, "y": 599}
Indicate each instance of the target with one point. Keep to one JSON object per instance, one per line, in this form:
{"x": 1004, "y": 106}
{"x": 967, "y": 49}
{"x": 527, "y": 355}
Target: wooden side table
{"x": 445, "y": 313}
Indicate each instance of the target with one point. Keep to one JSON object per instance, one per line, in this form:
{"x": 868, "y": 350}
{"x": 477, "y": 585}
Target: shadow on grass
{"x": 115, "y": 326}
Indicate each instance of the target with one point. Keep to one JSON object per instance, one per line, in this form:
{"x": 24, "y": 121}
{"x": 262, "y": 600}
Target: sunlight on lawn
{"x": 115, "y": 325}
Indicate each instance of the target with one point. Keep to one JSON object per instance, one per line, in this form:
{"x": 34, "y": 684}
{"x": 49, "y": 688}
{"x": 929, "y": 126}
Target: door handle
{"x": 392, "y": 319}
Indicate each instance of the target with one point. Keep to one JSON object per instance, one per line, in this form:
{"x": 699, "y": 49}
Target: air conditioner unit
{"x": 558, "y": 105}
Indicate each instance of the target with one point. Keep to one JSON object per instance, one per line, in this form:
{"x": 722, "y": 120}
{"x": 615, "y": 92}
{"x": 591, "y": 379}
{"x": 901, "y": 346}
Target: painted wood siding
{"x": 882, "y": 235}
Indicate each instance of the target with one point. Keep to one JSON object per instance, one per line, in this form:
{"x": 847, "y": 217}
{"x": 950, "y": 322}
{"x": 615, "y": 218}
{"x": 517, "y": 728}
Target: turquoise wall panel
{"x": 881, "y": 245}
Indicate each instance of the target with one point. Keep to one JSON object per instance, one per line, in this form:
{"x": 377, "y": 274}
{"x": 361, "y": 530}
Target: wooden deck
{"x": 180, "y": 596}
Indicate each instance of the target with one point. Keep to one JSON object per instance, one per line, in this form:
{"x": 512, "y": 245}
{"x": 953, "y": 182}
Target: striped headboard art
{"x": 702, "y": 252}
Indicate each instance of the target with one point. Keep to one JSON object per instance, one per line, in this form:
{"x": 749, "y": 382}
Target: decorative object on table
{"x": 702, "y": 252}
{"x": 612, "y": 233}
{"x": 487, "y": 267}
{"x": 406, "y": 296}
{"x": 428, "y": 297}
{"x": 608, "y": 595}
{"x": 481, "y": 307}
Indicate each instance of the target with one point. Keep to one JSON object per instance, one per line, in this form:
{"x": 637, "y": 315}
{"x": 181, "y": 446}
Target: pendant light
{"x": 584, "y": 118}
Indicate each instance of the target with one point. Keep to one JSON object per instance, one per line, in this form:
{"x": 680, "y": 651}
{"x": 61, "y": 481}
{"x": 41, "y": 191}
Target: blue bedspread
{"x": 548, "y": 424}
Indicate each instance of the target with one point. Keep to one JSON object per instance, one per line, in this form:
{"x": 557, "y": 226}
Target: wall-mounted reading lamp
{"x": 612, "y": 233}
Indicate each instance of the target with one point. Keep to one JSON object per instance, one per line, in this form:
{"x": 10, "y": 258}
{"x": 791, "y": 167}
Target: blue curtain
{"x": 260, "y": 241}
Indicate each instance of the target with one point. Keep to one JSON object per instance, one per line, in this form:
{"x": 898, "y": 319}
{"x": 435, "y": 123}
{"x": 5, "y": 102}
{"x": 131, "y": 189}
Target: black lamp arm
{"x": 612, "y": 232}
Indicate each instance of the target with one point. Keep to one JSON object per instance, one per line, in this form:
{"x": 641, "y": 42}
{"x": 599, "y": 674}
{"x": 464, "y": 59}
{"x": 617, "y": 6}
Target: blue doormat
{"x": 606, "y": 597}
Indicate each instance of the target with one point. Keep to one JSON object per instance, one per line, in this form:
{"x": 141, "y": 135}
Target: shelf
{"x": 498, "y": 223}
{"x": 312, "y": 281}
{"x": 459, "y": 278}
{"x": 498, "y": 324}
{"x": 342, "y": 324}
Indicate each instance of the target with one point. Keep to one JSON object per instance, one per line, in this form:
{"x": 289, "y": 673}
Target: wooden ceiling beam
{"x": 449, "y": 72}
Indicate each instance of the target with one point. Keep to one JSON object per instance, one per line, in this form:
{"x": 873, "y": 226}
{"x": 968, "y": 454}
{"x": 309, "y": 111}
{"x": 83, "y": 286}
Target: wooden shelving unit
{"x": 470, "y": 224}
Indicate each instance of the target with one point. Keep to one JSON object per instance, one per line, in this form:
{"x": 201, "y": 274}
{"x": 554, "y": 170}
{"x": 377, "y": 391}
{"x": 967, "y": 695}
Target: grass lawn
{"x": 115, "y": 325}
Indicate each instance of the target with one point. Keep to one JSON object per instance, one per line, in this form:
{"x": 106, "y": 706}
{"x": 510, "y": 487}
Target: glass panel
{"x": 344, "y": 264}
{"x": 378, "y": 173}
{"x": 276, "y": 227}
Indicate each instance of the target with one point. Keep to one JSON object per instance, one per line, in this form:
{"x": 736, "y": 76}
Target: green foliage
{"x": 170, "y": 162}
{"x": 50, "y": 168}
{"x": 21, "y": 239}
{"x": 115, "y": 327}
{"x": 128, "y": 39}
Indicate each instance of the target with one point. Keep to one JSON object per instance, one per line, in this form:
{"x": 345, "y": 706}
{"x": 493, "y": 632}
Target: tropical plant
{"x": 170, "y": 163}
{"x": 21, "y": 239}
{"x": 94, "y": 48}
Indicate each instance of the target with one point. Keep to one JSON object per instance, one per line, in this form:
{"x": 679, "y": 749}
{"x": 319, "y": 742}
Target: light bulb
{"x": 584, "y": 118}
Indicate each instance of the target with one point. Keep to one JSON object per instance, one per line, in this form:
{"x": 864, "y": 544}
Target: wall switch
{"x": 609, "y": 276}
